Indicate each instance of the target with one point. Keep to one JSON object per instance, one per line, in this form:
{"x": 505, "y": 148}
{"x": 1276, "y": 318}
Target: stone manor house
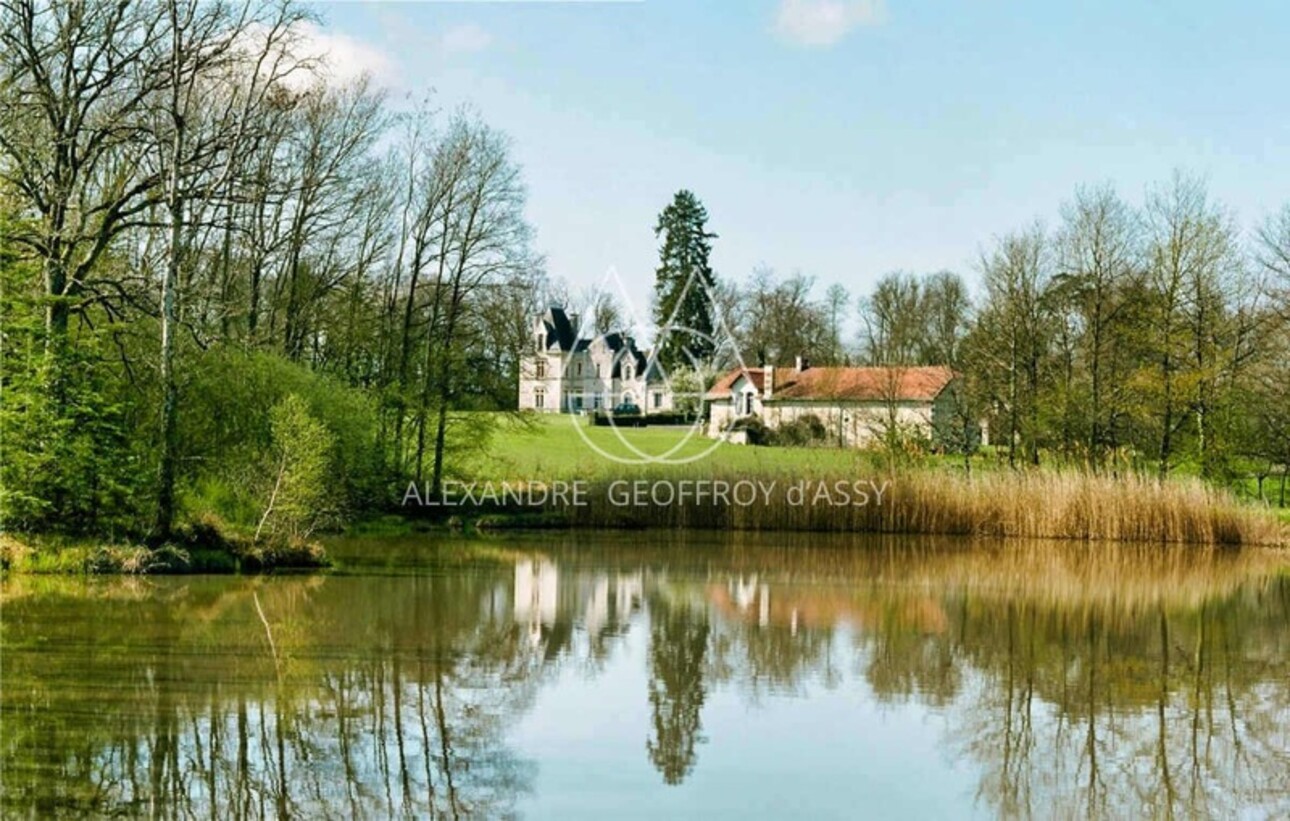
{"x": 566, "y": 372}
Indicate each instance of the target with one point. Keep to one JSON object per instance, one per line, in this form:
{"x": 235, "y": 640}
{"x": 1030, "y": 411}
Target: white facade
{"x": 855, "y": 421}
{"x": 564, "y": 373}
{"x": 855, "y": 424}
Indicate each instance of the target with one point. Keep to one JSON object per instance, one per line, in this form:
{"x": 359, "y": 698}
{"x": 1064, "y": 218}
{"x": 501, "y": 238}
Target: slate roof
{"x": 563, "y": 334}
{"x": 560, "y": 332}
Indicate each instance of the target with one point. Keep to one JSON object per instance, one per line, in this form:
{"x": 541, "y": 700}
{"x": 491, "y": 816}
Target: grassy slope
{"x": 551, "y": 447}
{"x": 1052, "y": 503}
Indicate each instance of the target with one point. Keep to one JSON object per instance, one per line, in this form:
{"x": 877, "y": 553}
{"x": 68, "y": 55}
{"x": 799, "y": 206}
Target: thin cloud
{"x": 467, "y": 38}
{"x": 341, "y": 58}
{"x": 822, "y": 23}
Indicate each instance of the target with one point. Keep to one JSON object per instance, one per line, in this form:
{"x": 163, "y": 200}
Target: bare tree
{"x": 76, "y": 78}
{"x": 1099, "y": 256}
{"x": 891, "y": 320}
{"x": 1273, "y": 253}
{"x": 1190, "y": 243}
{"x": 836, "y": 300}
{"x": 781, "y": 319}
{"x": 1012, "y": 334}
{"x": 486, "y": 238}
{"x": 330, "y": 157}
{"x": 201, "y": 120}
{"x": 946, "y": 310}
{"x": 601, "y": 313}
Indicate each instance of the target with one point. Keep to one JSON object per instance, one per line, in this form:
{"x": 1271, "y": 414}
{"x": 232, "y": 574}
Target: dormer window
{"x": 540, "y": 370}
{"x": 627, "y": 372}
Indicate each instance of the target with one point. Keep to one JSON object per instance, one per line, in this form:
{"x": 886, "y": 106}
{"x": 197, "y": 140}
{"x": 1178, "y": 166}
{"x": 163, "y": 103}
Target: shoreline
{"x": 1066, "y": 507}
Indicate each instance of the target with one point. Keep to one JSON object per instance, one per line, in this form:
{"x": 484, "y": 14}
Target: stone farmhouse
{"x": 567, "y": 372}
{"x": 856, "y": 405}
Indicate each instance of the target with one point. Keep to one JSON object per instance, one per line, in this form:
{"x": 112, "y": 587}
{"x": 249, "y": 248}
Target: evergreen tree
{"x": 684, "y": 284}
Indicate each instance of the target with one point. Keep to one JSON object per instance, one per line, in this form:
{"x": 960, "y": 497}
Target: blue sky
{"x": 844, "y": 138}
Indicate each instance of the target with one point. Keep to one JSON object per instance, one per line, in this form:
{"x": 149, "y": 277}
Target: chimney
{"x": 800, "y": 364}
{"x": 768, "y": 382}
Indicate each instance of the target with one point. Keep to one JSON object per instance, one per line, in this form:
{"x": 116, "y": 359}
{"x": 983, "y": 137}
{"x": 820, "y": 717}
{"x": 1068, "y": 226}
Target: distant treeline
{"x": 1154, "y": 336}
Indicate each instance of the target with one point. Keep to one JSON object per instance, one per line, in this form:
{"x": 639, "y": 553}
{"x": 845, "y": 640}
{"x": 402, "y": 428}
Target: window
{"x": 577, "y": 369}
{"x": 627, "y": 372}
{"x": 658, "y": 399}
{"x": 748, "y": 397}
{"x": 595, "y": 402}
{"x": 539, "y": 398}
{"x": 541, "y": 367}
{"x": 577, "y": 401}
{"x": 597, "y": 370}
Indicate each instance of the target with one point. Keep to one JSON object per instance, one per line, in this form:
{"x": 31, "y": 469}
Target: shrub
{"x": 299, "y": 496}
{"x": 754, "y": 429}
{"x": 804, "y": 430}
{"x": 67, "y": 460}
{"x": 228, "y": 427}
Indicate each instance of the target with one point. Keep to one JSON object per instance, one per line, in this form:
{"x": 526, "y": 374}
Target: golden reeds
{"x": 1030, "y": 505}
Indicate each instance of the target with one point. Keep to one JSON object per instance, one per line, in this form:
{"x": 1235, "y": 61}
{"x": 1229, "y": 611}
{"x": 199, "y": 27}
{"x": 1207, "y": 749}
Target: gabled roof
{"x": 560, "y": 332}
{"x": 898, "y": 384}
{"x": 559, "y": 329}
{"x": 722, "y": 389}
{"x": 639, "y": 363}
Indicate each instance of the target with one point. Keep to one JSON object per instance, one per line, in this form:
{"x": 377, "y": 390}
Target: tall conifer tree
{"x": 683, "y": 284}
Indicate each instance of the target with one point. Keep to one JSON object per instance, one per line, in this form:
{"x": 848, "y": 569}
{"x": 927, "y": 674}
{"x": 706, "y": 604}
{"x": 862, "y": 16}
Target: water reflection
{"x": 1090, "y": 681}
{"x": 678, "y": 649}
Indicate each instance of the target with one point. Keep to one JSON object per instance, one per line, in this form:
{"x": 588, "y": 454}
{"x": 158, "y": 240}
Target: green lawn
{"x": 554, "y": 447}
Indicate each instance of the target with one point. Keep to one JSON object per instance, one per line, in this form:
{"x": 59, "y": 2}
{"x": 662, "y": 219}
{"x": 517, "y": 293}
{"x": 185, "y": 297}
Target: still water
{"x": 651, "y": 676}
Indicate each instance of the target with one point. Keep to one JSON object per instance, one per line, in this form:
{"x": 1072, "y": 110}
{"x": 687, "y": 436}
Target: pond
{"x": 651, "y": 675}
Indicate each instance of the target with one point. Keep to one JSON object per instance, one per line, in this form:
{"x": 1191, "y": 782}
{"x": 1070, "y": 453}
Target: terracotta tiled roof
{"x": 912, "y": 384}
{"x": 864, "y": 384}
{"x": 721, "y": 390}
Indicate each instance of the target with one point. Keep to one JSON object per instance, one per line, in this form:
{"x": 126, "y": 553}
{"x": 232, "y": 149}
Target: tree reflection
{"x": 397, "y": 707}
{"x": 1161, "y": 713}
{"x": 1073, "y": 682}
{"x": 678, "y": 650}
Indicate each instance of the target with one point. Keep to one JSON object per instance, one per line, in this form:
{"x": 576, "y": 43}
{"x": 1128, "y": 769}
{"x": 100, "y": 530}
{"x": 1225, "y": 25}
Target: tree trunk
{"x": 169, "y": 312}
{"x": 56, "y": 313}
{"x": 1167, "y": 430}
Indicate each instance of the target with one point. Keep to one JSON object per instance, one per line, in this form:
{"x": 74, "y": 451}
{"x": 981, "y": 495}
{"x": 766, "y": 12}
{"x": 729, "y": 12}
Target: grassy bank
{"x": 198, "y": 548}
{"x": 927, "y": 495}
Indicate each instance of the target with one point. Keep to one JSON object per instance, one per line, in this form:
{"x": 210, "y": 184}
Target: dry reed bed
{"x": 1034, "y": 505}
